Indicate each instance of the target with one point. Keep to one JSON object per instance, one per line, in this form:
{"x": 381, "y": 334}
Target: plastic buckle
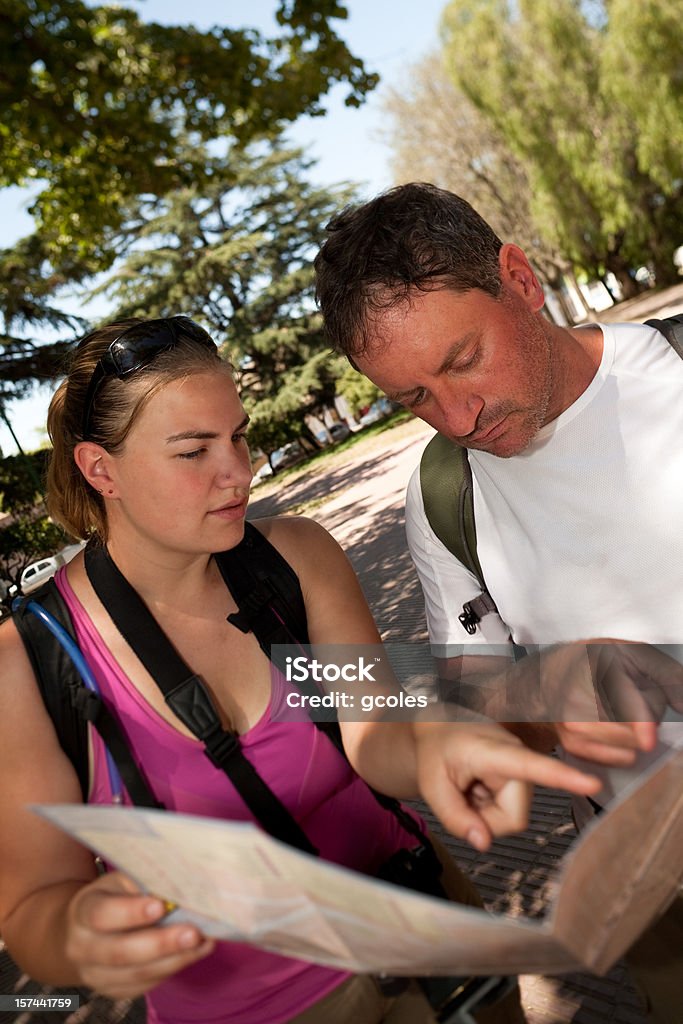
{"x": 469, "y": 618}
{"x": 220, "y": 746}
{"x": 87, "y": 702}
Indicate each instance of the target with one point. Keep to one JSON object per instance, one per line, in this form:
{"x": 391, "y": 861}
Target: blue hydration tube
{"x": 84, "y": 671}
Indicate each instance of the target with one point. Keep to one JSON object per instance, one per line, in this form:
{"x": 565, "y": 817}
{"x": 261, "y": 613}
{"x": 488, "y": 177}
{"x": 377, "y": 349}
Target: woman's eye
{"x": 191, "y": 455}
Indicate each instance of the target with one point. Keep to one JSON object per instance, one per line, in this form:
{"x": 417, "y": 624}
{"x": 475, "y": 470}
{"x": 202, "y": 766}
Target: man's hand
{"x": 114, "y": 941}
{"x": 477, "y": 778}
{"x": 601, "y": 699}
{"x": 611, "y": 696}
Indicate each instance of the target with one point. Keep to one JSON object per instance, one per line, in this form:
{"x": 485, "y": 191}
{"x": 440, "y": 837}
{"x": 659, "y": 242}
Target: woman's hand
{"x": 477, "y": 778}
{"x": 115, "y": 942}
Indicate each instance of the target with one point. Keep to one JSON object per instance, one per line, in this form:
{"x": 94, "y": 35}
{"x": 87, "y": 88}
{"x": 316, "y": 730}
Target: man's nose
{"x": 460, "y": 409}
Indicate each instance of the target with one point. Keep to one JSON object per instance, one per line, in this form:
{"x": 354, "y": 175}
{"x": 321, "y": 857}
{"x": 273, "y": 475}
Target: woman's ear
{"x": 517, "y": 275}
{"x": 93, "y": 462}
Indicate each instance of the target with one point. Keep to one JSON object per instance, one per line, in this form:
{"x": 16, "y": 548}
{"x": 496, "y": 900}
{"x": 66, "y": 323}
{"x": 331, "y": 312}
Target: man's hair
{"x": 414, "y": 236}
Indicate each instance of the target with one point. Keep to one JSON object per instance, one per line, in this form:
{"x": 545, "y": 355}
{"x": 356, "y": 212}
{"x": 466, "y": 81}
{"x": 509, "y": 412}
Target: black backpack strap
{"x": 71, "y": 705}
{"x": 270, "y": 605}
{"x": 187, "y": 696}
{"x": 268, "y": 595}
{"x": 672, "y": 329}
{"x": 448, "y": 496}
{"x": 56, "y": 675}
{"x": 266, "y": 591}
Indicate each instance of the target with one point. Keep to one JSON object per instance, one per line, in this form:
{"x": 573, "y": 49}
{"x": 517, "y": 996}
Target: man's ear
{"x": 518, "y": 276}
{"x": 94, "y": 463}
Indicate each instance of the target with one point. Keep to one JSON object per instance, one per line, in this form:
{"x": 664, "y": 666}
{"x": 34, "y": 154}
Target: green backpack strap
{"x": 672, "y": 329}
{"x": 447, "y": 493}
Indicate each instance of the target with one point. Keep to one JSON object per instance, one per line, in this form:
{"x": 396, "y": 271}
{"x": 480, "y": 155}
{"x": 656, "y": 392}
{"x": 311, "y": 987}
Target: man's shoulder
{"x": 642, "y": 348}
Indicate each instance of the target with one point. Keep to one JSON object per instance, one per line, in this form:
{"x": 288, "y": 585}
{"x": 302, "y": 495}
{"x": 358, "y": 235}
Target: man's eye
{"x": 469, "y": 361}
{"x": 417, "y": 399}
{"x": 242, "y": 436}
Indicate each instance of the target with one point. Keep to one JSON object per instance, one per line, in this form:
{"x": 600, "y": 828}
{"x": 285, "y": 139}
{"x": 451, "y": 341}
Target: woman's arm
{"x": 60, "y": 923}
{"x": 436, "y": 759}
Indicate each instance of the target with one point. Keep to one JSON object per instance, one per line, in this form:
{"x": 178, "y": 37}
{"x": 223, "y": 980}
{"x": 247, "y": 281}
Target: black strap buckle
{"x": 469, "y": 618}
{"x": 252, "y": 606}
{"x": 221, "y": 746}
{"x": 86, "y": 702}
{"x": 191, "y": 702}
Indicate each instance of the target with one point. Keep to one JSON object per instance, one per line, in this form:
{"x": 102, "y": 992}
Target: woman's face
{"x": 182, "y": 480}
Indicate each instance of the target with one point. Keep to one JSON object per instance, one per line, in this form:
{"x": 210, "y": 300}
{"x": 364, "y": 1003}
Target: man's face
{"x": 479, "y": 369}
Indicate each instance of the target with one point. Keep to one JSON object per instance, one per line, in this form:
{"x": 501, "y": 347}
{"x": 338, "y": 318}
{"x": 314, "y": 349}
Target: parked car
{"x": 38, "y": 572}
{"x": 288, "y": 455}
{"x": 261, "y": 474}
{"x": 378, "y": 410}
{"x": 339, "y": 431}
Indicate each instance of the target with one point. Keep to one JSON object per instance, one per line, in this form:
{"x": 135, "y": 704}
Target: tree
{"x": 358, "y": 391}
{"x": 92, "y": 100}
{"x": 548, "y": 74}
{"x": 28, "y": 533}
{"x": 237, "y": 254}
{"x": 437, "y": 134}
{"x": 105, "y": 112}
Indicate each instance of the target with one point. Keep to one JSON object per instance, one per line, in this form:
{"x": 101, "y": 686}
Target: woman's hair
{"x": 71, "y": 501}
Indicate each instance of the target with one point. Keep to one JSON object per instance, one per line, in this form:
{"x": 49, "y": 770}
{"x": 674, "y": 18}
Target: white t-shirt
{"x": 581, "y": 535}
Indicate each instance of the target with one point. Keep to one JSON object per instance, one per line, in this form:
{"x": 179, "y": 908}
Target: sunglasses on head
{"x": 137, "y": 347}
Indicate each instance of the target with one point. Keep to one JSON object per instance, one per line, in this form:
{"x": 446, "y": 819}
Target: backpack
{"x": 448, "y": 496}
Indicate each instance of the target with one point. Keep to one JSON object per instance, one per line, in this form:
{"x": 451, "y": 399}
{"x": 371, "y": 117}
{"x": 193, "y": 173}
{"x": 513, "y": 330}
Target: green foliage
{"x": 236, "y": 253}
{"x": 107, "y": 114}
{"x": 92, "y": 100}
{"x": 20, "y": 477}
{"x": 358, "y": 391}
{"x": 588, "y": 97}
{"x": 28, "y": 537}
{"x": 27, "y": 533}
{"x": 458, "y": 148}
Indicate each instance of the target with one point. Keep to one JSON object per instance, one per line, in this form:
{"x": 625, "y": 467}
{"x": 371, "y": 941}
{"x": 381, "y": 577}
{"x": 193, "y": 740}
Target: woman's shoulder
{"x": 302, "y": 542}
{"x": 21, "y": 704}
{"x": 293, "y": 533}
{"x": 12, "y": 651}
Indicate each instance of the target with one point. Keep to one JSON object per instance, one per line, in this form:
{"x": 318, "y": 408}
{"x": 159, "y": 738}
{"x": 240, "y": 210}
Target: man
{"x": 573, "y": 439}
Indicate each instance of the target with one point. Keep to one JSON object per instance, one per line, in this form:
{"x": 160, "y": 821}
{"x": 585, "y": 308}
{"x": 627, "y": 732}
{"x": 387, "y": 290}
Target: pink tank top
{"x": 239, "y": 984}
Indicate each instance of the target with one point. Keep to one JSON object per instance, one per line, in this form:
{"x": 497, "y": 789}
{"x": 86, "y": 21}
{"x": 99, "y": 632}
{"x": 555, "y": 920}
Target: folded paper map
{"x": 235, "y": 882}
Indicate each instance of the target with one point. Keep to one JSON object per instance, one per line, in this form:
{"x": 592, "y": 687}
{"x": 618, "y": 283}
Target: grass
{"x": 318, "y": 459}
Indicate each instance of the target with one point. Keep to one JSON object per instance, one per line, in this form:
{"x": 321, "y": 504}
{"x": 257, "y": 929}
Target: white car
{"x": 38, "y": 572}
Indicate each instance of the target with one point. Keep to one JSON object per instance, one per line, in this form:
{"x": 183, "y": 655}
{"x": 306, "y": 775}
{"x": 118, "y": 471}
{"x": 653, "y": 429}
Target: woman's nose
{"x": 234, "y": 470}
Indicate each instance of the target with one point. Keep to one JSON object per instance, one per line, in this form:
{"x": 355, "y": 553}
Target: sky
{"x": 347, "y": 143}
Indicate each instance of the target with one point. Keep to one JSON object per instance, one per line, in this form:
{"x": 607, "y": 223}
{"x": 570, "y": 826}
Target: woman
{"x": 150, "y": 455}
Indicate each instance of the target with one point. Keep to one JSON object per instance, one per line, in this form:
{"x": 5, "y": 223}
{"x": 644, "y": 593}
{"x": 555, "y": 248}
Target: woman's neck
{"x": 161, "y": 575}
